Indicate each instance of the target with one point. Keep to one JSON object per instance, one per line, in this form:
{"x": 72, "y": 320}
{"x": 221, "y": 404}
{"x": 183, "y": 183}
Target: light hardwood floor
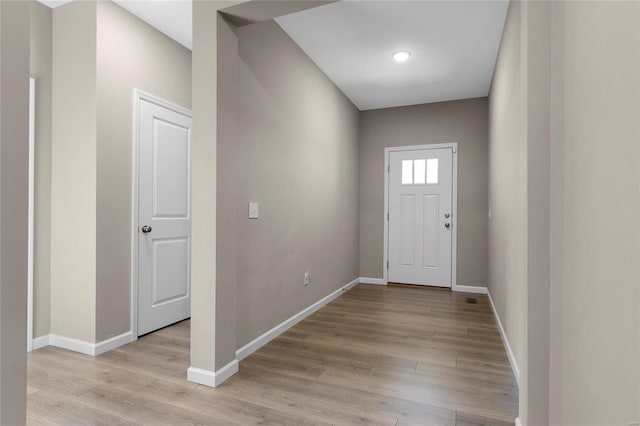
{"x": 396, "y": 355}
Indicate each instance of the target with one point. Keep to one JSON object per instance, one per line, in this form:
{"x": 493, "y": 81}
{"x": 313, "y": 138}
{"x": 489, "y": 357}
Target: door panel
{"x": 421, "y": 216}
{"x": 170, "y": 262}
{"x": 430, "y": 214}
{"x": 164, "y": 253}
{"x": 171, "y": 170}
{"x": 407, "y": 230}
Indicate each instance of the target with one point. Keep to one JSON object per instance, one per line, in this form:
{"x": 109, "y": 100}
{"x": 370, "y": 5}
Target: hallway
{"x": 396, "y": 355}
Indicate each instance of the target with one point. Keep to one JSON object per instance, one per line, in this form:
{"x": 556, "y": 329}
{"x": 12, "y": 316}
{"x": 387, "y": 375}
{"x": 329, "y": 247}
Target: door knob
{"x": 446, "y": 225}
{"x": 447, "y": 215}
{"x": 146, "y": 229}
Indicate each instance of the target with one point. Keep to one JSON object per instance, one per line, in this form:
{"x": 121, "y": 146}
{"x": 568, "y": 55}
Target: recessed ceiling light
{"x": 401, "y": 56}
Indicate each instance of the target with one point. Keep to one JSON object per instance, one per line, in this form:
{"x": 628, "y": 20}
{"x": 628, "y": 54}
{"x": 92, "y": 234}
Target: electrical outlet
{"x": 307, "y": 278}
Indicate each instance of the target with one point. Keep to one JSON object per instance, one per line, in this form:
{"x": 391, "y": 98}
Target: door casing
{"x": 30, "y": 232}
{"x": 454, "y": 206}
{"x": 138, "y": 96}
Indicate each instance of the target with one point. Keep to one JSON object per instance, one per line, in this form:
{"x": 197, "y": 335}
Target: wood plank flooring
{"x": 396, "y": 355}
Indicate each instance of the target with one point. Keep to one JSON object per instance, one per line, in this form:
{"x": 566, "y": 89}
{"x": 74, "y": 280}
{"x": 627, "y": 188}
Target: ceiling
{"x": 453, "y": 44}
{"x": 54, "y": 3}
{"x": 171, "y": 17}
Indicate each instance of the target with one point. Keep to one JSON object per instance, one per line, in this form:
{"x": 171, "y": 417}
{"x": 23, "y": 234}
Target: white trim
{"x": 41, "y": 342}
{"x": 32, "y": 145}
{"x": 376, "y": 281}
{"x": 134, "y": 217}
{"x": 70, "y": 344}
{"x": 142, "y": 95}
{"x": 210, "y": 378}
{"x": 454, "y": 206}
{"x": 385, "y": 220}
{"x": 454, "y": 221}
{"x": 87, "y": 348}
{"x": 112, "y": 343}
{"x": 505, "y": 340}
{"x": 139, "y": 95}
{"x": 471, "y": 289}
{"x": 518, "y": 422}
{"x": 265, "y": 338}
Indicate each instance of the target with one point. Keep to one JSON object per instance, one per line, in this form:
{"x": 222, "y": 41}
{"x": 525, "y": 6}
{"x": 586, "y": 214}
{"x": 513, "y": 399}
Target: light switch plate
{"x": 254, "y": 212}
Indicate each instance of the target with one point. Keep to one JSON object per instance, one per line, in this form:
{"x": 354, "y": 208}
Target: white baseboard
{"x": 70, "y": 344}
{"x": 471, "y": 289}
{"x": 376, "y": 281}
{"x": 41, "y": 342}
{"x": 459, "y": 288}
{"x": 505, "y": 340}
{"x": 88, "y": 348}
{"x": 518, "y": 422}
{"x": 210, "y": 378}
{"x": 265, "y": 338}
{"x": 112, "y": 343}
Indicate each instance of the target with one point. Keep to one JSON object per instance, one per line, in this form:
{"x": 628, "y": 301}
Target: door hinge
{"x": 387, "y": 264}
{"x": 387, "y": 217}
{"x": 388, "y": 168}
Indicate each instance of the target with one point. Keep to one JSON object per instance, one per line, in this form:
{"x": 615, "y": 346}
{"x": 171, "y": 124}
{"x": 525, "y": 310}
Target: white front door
{"x": 164, "y": 217}
{"x": 420, "y": 216}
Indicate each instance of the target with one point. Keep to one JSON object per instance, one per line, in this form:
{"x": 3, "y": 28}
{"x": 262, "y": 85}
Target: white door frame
{"x": 30, "y": 241}
{"x": 139, "y": 95}
{"x": 454, "y": 208}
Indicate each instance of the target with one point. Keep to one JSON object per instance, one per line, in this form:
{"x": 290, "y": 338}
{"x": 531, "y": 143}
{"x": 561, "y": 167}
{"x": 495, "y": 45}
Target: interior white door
{"x": 420, "y": 216}
{"x": 164, "y": 217}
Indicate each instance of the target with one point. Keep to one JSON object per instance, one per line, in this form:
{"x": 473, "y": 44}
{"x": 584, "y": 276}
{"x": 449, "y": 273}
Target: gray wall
{"x": 291, "y": 116}
{"x": 130, "y": 54}
{"x": 208, "y": 53}
{"x": 535, "y": 395}
{"x": 226, "y": 314}
{"x": 464, "y": 122}
{"x": 41, "y": 63}
{"x": 599, "y": 283}
{"x": 14, "y": 151}
{"x": 73, "y": 172}
{"x": 564, "y": 108}
{"x": 507, "y": 186}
